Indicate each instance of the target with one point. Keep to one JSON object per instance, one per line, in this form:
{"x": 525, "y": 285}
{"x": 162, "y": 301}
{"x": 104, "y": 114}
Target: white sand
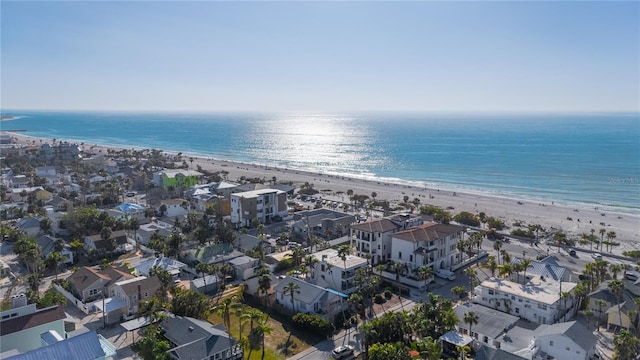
{"x": 549, "y": 215}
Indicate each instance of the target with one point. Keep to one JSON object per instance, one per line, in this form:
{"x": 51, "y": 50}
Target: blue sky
{"x": 321, "y": 56}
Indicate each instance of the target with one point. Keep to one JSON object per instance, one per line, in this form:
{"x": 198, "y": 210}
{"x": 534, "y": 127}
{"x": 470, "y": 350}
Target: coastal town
{"x": 114, "y": 253}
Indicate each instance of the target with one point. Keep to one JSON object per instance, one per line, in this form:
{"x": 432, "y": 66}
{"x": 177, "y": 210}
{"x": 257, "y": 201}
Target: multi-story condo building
{"x": 263, "y": 204}
{"x": 431, "y": 244}
{"x": 540, "y": 300}
{"x": 333, "y": 272}
{"x": 373, "y": 238}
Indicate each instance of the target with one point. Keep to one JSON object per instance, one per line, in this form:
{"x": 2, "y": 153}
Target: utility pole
{"x": 104, "y": 311}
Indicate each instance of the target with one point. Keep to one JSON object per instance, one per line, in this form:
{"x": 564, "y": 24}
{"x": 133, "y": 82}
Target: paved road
{"x": 350, "y": 336}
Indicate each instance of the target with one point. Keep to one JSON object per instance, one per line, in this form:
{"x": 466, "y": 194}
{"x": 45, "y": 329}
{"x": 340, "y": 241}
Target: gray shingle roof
{"x": 308, "y": 292}
{"x": 195, "y": 339}
{"x": 573, "y": 330}
{"x": 490, "y": 322}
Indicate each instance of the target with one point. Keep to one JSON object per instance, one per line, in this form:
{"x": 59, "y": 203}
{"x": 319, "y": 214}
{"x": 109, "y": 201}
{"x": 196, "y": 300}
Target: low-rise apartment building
{"x": 540, "y": 300}
{"x": 333, "y": 272}
{"x": 263, "y": 204}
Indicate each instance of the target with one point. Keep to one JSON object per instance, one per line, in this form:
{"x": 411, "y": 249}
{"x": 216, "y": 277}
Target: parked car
{"x": 571, "y": 251}
{"x": 342, "y": 352}
{"x": 445, "y": 274}
{"x": 596, "y": 256}
{"x": 633, "y": 276}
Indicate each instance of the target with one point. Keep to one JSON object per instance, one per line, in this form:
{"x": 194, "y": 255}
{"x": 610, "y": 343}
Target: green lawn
{"x": 280, "y": 344}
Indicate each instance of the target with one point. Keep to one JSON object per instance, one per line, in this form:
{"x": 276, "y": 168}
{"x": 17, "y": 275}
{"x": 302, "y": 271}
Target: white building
{"x": 310, "y": 298}
{"x": 567, "y": 340}
{"x": 430, "y": 245}
{"x": 263, "y": 204}
{"x": 373, "y": 237}
{"x": 539, "y": 300}
{"x": 333, "y": 272}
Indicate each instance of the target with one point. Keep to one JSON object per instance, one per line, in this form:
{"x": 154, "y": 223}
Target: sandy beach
{"x": 573, "y": 220}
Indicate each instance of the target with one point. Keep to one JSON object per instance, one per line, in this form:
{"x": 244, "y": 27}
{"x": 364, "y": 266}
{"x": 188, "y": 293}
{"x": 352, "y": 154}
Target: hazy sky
{"x": 321, "y": 56}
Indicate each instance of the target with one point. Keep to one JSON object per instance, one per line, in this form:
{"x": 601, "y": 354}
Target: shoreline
{"x": 507, "y": 208}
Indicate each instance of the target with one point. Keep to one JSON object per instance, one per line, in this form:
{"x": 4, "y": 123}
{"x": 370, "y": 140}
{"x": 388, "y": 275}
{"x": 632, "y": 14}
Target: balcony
{"x": 348, "y": 274}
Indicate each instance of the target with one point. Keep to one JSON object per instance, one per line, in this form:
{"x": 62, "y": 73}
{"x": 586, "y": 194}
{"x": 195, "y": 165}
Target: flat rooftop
{"x": 544, "y": 291}
{"x": 335, "y": 260}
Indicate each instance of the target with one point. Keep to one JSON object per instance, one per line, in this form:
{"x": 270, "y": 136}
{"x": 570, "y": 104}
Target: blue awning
{"x": 337, "y": 293}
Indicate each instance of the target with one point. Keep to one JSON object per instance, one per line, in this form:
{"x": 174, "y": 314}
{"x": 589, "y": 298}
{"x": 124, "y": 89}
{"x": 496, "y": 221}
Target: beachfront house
{"x": 540, "y": 300}
{"x": 431, "y": 245}
{"x": 373, "y": 238}
{"x": 265, "y": 205}
{"x": 333, "y": 272}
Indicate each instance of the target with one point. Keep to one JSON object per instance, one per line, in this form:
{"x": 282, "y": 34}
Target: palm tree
{"x": 296, "y": 254}
{"x": 588, "y": 314}
{"x": 617, "y": 288}
{"x": 239, "y": 312}
{"x": 264, "y": 284}
{"x": 134, "y": 225}
{"x": 525, "y": 264}
{"x": 615, "y": 269}
{"x": 591, "y": 238}
{"x": 602, "y": 231}
{"x": 343, "y": 252}
{"x": 470, "y": 318}
{"x": 254, "y": 315}
{"x": 53, "y": 260}
{"x": 491, "y": 263}
{"x": 611, "y": 235}
{"x": 497, "y": 245}
{"x": 291, "y": 289}
{"x": 471, "y": 273}
{"x": 425, "y": 273}
{"x": 203, "y": 269}
{"x": 261, "y": 330}
{"x": 463, "y": 350}
{"x": 310, "y": 261}
{"x": 224, "y": 309}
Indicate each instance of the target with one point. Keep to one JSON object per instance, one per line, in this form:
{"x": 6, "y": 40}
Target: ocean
{"x": 574, "y": 159}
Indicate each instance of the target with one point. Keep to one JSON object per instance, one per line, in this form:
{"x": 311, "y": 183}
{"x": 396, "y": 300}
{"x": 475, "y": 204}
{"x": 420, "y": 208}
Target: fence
{"x": 79, "y": 304}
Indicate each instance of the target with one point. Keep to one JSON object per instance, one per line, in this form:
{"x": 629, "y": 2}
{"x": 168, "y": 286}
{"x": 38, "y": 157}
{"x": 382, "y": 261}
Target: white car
{"x": 342, "y": 351}
{"x": 596, "y": 256}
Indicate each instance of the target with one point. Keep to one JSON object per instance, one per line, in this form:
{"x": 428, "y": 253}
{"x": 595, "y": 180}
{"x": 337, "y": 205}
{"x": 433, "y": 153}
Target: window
{"x": 322, "y": 267}
{"x": 517, "y": 310}
{"x": 490, "y": 292}
{"x": 411, "y": 258}
{"x": 400, "y": 255}
{"x": 568, "y": 349}
{"x": 550, "y": 342}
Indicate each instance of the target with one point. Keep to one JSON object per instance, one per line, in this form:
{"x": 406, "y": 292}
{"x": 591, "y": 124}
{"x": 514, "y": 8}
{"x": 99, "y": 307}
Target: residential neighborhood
{"x": 134, "y": 254}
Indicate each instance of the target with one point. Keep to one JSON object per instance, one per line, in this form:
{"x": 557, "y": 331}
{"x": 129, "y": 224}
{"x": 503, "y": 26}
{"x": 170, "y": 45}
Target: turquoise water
{"x": 590, "y": 159}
